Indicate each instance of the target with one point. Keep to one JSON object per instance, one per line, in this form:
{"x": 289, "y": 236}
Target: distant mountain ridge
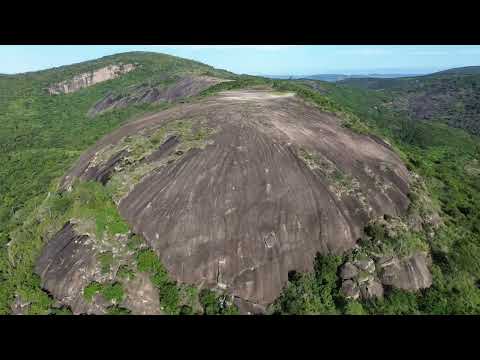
{"x": 467, "y": 70}
{"x": 339, "y": 77}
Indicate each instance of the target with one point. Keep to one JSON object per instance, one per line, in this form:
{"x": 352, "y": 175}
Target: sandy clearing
{"x": 253, "y": 95}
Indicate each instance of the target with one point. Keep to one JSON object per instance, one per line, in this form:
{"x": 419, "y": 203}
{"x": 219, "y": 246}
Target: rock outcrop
{"x": 367, "y": 278}
{"x": 69, "y": 264}
{"x": 90, "y": 78}
{"x": 409, "y": 273}
{"x": 183, "y": 88}
{"x": 236, "y": 190}
{"x": 19, "y": 306}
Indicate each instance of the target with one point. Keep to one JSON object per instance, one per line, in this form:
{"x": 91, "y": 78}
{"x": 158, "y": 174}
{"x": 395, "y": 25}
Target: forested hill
{"x": 451, "y": 96}
{"x": 42, "y": 134}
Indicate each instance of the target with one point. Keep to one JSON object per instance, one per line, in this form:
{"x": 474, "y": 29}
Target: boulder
{"x": 410, "y": 273}
{"x": 367, "y": 265}
{"x": 348, "y": 271}
{"x": 374, "y": 289}
{"x": 364, "y": 277}
{"x": 19, "y": 306}
{"x": 350, "y": 290}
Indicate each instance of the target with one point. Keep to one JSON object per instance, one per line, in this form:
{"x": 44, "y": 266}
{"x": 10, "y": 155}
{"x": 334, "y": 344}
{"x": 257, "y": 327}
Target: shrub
{"x": 91, "y": 289}
{"x": 113, "y": 292}
{"x": 354, "y": 308}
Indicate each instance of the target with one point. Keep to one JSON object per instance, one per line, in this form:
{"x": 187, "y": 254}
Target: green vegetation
{"x": 190, "y": 133}
{"x": 91, "y": 290}
{"x": 443, "y": 157}
{"x": 53, "y": 130}
{"x": 42, "y": 135}
{"x": 113, "y": 292}
{"x": 106, "y": 261}
{"x": 61, "y": 311}
{"x": 88, "y": 204}
{"x": 214, "y": 304}
{"x": 116, "y": 310}
{"x": 392, "y": 238}
{"x": 135, "y": 243}
{"x": 449, "y": 97}
{"x": 311, "y": 293}
{"x": 179, "y": 299}
{"x": 169, "y": 293}
{"x": 40, "y": 138}
{"x": 350, "y": 119}
{"x": 125, "y": 272}
{"x": 354, "y": 308}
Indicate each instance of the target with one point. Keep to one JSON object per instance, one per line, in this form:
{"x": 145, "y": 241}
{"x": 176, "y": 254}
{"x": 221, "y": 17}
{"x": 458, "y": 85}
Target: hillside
{"x": 467, "y": 70}
{"x": 43, "y": 134}
{"x": 447, "y": 158}
{"x": 39, "y": 128}
{"x": 451, "y": 96}
{"x": 149, "y": 184}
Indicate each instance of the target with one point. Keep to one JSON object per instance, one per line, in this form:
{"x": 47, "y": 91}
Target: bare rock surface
{"x": 142, "y": 296}
{"x": 185, "y": 87}
{"x": 90, "y": 78}
{"x": 66, "y": 265}
{"x": 19, "y": 306}
{"x": 411, "y": 273}
{"x": 102, "y": 172}
{"x": 249, "y": 308}
{"x": 371, "y": 289}
{"x": 69, "y": 264}
{"x": 278, "y": 181}
{"x": 350, "y": 290}
{"x": 348, "y": 271}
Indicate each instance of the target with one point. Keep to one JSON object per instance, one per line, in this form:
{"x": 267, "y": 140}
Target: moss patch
{"x": 113, "y": 292}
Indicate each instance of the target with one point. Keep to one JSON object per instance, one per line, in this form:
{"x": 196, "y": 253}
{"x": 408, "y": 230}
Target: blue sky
{"x": 260, "y": 59}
